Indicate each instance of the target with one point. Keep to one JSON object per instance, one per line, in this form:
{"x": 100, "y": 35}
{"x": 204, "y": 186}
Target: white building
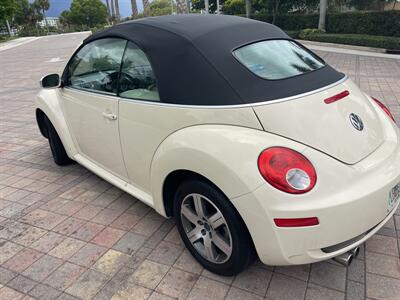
{"x": 51, "y": 22}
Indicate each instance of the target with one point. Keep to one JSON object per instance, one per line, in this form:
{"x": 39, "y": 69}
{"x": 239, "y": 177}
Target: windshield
{"x": 277, "y": 59}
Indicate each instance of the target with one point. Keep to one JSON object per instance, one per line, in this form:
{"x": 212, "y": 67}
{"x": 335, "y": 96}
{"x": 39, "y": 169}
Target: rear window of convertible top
{"x": 277, "y": 59}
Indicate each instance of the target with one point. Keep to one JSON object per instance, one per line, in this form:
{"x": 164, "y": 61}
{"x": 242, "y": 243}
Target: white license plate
{"x": 394, "y": 196}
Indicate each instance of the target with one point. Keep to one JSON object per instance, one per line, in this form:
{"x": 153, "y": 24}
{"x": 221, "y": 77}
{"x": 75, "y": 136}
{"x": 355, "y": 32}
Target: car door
{"x": 91, "y": 104}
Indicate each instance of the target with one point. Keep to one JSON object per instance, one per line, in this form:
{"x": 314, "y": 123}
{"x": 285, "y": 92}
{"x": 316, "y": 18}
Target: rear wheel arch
{"x": 176, "y": 178}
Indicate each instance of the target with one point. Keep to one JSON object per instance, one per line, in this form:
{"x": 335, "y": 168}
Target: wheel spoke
{"x": 198, "y": 205}
{"x": 189, "y": 214}
{"x": 216, "y": 220}
{"x": 221, "y": 244}
{"x": 194, "y": 235}
{"x": 208, "y": 249}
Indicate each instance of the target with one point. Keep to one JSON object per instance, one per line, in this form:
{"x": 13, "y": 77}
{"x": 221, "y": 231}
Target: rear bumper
{"x": 351, "y": 203}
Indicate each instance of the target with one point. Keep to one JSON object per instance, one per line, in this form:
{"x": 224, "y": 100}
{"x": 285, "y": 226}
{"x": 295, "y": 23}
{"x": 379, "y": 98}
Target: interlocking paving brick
{"x": 356, "y": 271}
{"x": 383, "y": 244}
{"x": 69, "y": 226}
{"x": 166, "y": 253}
{"x": 130, "y": 243}
{"x": 9, "y": 293}
{"x": 158, "y": 296}
{"x": 253, "y": 279}
{"x": 355, "y": 290}
{"x": 132, "y": 291}
{"x": 8, "y": 250}
{"x": 106, "y": 216}
{"x": 64, "y": 276}
{"x": 315, "y": 292}
{"x": 383, "y": 265}
{"x": 47, "y": 242}
{"x": 206, "y": 288}
{"x": 108, "y": 237}
{"x": 301, "y": 272}
{"x": 44, "y": 292}
{"x": 380, "y": 287}
{"x": 238, "y": 294}
{"x": 177, "y": 283}
{"x": 187, "y": 263}
{"x": 87, "y": 255}
{"x": 67, "y": 248}
{"x": 42, "y": 268}
{"x": 88, "y": 212}
{"x": 111, "y": 262}
{"x": 43, "y": 219}
{"x": 329, "y": 275}
{"x": 87, "y": 285}
{"x": 30, "y": 235}
{"x": 284, "y": 287}
{"x": 6, "y": 275}
{"x": 87, "y": 231}
{"x": 22, "y": 260}
{"x": 149, "y": 274}
{"x": 125, "y": 221}
{"x": 22, "y": 284}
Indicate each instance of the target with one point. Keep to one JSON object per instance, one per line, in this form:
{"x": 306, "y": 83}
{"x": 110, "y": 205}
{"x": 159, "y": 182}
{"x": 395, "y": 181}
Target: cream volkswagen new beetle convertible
{"x": 249, "y": 140}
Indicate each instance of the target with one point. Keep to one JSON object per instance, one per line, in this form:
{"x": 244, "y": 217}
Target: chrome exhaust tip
{"x": 355, "y": 251}
{"x": 344, "y": 259}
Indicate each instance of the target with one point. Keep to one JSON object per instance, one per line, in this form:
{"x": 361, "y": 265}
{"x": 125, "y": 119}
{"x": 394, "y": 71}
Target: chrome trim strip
{"x": 220, "y": 106}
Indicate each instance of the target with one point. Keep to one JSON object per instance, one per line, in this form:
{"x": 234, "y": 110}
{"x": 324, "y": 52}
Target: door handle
{"x": 109, "y": 116}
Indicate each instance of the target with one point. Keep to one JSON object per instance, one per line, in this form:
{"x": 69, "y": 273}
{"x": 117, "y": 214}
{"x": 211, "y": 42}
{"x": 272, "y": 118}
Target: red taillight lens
{"x": 385, "y": 109}
{"x": 287, "y": 170}
{"x": 298, "y": 222}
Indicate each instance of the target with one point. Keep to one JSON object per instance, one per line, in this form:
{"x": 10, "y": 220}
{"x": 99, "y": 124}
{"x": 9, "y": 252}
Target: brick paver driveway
{"x": 66, "y": 233}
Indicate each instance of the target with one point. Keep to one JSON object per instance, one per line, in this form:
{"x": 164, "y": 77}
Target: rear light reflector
{"x": 337, "y": 97}
{"x": 298, "y": 222}
{"x": 287, "y": 170}
{"x": 384, "y": 108}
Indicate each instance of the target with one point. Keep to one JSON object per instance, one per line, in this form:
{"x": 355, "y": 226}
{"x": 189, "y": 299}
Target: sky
{"x": 57, "y": 6}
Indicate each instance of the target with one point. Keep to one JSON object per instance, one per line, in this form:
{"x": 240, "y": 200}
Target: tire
{"x": 57, "y": 149}
{"x": 238, "y": 247}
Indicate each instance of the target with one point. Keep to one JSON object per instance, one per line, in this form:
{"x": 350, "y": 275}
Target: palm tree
{"x": 108, "y": 8}
{"x": 134, "y": 8}
{"x": 323, "y": 4}
{"x": 145, "y": 5}
{"x": 181, "y": 7}
{"x": 117, "y": 15}
{"x": 43, "y": 5}
{"x": 248, "y": 8}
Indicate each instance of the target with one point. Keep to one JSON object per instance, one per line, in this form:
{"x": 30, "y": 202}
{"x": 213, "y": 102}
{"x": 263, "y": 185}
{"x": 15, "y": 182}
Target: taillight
{"x": 287, "y": 170}
{"x": 384, "y": 108}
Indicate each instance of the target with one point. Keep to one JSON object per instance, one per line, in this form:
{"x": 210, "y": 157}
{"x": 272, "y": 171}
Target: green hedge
{"x": 385, "y": 23}
{"x": 375, "y": 41}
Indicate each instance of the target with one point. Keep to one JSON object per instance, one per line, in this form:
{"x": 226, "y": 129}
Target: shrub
{"x": 385, "y": 23}
{"x": 375, "y": 41}
{"x": 303, "y": 34}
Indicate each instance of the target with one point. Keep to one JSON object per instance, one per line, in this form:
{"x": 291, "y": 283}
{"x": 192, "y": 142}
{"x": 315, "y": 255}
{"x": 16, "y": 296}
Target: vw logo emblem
{"x": 356, "y": 121}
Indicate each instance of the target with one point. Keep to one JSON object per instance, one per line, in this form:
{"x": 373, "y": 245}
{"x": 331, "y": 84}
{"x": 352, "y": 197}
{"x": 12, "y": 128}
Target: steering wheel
{"x": 110, "y": 82}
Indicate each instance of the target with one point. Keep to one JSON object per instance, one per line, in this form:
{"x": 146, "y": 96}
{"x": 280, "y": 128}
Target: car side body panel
{"x": 144, "y": 125}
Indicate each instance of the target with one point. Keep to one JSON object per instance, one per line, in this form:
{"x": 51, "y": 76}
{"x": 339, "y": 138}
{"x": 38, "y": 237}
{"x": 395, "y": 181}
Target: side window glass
{"x": 96, "y": 66}
{"x": 137, "y": 79}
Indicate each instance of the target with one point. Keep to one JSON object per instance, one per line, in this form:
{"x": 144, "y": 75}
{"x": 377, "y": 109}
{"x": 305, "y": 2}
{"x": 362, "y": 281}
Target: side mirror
{"x": 50, "y": 81}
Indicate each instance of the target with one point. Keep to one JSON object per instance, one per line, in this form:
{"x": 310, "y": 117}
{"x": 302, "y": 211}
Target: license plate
{"x": 394, "y": 196}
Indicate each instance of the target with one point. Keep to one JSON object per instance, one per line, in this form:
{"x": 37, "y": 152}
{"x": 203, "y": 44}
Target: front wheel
{"x": 211, "y": 228}
{"x": 57, "y": 148}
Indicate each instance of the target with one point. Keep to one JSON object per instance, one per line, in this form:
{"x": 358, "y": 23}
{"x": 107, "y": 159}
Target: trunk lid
{"x": 327, "y": 127}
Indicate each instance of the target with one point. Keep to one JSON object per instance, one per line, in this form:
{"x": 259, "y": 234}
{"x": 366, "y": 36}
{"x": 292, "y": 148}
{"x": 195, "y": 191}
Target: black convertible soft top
{"x": 192, "y": 59}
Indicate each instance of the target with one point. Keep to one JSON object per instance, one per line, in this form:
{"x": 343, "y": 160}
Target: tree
{"x": 85, "y": 12}
{"x": 248, "y": 8}
{"x": 27, "y": 13}
{"x": 44, "y": 5}
{"x": 159, "y": 8}
{"x": 134, "y": 8}
{"x": 7, "y": 10}
{"x": 323, "y": 4}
